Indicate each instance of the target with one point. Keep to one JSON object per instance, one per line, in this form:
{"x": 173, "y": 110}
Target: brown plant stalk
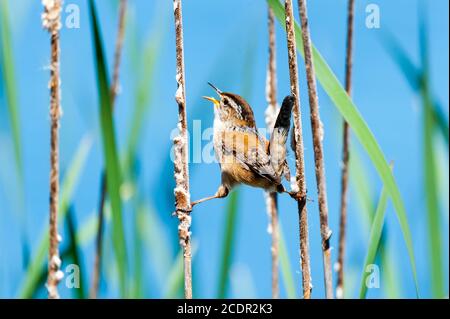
{"x": 271, "y": 116}
{"x": 345, "y": 155}
{"x": 317, "y": 132}
{"x": 103, "y": 191}
{"x": 51, "y": 20}
{"x": 299, "y": 185}
{"x": 181, "y": 151}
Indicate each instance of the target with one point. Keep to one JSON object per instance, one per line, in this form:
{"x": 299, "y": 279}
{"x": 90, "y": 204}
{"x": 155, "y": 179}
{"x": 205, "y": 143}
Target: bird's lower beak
{"x": 216, "y": 102}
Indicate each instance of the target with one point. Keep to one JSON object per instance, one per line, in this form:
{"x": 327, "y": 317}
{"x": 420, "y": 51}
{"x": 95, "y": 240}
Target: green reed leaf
{"x": 111, "y": 158}
{"x": 374, "y": 239}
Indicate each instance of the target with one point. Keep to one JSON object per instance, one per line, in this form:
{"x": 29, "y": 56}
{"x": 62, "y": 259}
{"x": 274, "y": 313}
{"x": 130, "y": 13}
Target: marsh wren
{"x": 244, "y": 156}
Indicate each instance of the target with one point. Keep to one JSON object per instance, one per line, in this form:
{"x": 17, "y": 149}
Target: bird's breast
{"x": 236, "y": 149}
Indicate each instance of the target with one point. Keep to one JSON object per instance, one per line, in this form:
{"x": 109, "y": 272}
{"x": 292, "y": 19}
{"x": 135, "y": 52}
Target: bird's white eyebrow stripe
{"x": 235, "y": 105}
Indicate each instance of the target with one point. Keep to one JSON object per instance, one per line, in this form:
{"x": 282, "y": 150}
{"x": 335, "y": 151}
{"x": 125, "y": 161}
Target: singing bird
{"x": 244, "y": 156}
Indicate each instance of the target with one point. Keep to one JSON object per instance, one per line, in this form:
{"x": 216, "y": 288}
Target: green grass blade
{"x": 374, "y": 239}
{"x": 113, "y": 175}
{"x": 432, "y": 199}
{"x": 415, "y": 77}
{"x": 137, "y": 254}
{"x": 350, "y": 113}
{"x": 73, "y": 251}
{"x": 7, "y": 66}
{"x": 68, "y": 187}
{"x": 228, "y": 243}
{"x": 285, "y": 266}
{"x": 388, "y": 262}
{"x": 409, "y": 70}
{"x": 364, "y": 189}
{"x": 430, "y": 168}
{"x": 441, "y": 121}
{"x": 367, "y": 204}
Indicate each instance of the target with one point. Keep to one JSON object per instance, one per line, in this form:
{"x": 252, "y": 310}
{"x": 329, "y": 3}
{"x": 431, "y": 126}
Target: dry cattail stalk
{"x": 299, "y": 183}
{"x": 181, "y": 169}
{"x": 345, "y": 155}
{"x": 113, "y": 93}
{"x": 51, "y": 20}
{"x": 317, "y": 132}
{"x": 271, "y": 116}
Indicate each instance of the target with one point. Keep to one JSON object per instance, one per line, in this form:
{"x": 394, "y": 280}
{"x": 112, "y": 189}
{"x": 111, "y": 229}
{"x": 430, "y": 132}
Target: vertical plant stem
{"x": 300, "y": 181}
{"x": 51, "y": 20}
{"x": 118, "y": 51}
{"x": 317, "y": 131}
{"x": 271, "y": 116}
{"x": 113, "y": 93}
{"x": 181, "y": 169}
{"x": 272, "y": 210}
{"x": 345, "y": 155}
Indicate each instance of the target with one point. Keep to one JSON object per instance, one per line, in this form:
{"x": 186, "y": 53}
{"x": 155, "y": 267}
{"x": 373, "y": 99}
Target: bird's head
{"x": 232, "y": 109}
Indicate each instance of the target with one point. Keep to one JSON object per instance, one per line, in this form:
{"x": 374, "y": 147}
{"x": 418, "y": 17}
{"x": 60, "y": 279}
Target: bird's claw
{"x": 297, "y": 196}
{"x": 182, "y": 210}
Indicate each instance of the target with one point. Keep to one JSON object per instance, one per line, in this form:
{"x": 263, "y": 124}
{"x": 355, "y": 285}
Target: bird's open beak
{"x": 219, "y": 92}
{"x": 216, "y": 102}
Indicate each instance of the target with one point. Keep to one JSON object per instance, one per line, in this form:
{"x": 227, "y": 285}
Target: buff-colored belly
{"x": 235, "y": 173}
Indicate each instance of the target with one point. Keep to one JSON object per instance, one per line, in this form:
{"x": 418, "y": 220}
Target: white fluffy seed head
{"x": 294, "y": 185}
{"x": 59, "y": 275}
{"x": 55, "y": 261}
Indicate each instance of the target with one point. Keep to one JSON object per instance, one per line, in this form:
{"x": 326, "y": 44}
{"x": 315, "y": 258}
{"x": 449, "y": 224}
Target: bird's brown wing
{"x": 250, "y": 151}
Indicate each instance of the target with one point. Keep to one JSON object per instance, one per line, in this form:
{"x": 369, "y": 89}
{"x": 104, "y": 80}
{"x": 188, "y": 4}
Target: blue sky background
{"x": 225, "y": 43}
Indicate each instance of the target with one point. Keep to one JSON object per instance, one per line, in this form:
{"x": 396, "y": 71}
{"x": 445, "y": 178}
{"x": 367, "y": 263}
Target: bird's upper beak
{"x": 219, "y": 92}
{"x": 216, "y": 102}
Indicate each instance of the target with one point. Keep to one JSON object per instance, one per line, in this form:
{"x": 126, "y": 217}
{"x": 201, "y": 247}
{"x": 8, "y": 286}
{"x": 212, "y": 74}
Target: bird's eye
{"x": 225, "y": 102}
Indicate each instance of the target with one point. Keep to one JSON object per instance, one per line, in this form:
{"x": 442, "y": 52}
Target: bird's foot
{"x": 298, "y": 196}
{"x": 182, "y": 211}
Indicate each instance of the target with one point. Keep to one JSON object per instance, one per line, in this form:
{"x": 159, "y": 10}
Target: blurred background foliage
{"x": 400, "y": 88}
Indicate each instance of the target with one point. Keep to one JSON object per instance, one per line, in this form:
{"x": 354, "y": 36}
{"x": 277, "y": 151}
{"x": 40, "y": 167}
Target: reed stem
{"x": 181, "y": 168}
{"x": 345, "y": 156}
{"x": 271, "y": 116}
{"x": 299, "y": 185}
{"x": 317, "y": 132}
{"x": 51, "y": 20}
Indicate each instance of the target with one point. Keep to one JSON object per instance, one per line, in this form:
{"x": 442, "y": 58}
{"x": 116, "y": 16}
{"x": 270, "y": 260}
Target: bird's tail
{"x": 277, "y": 145}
